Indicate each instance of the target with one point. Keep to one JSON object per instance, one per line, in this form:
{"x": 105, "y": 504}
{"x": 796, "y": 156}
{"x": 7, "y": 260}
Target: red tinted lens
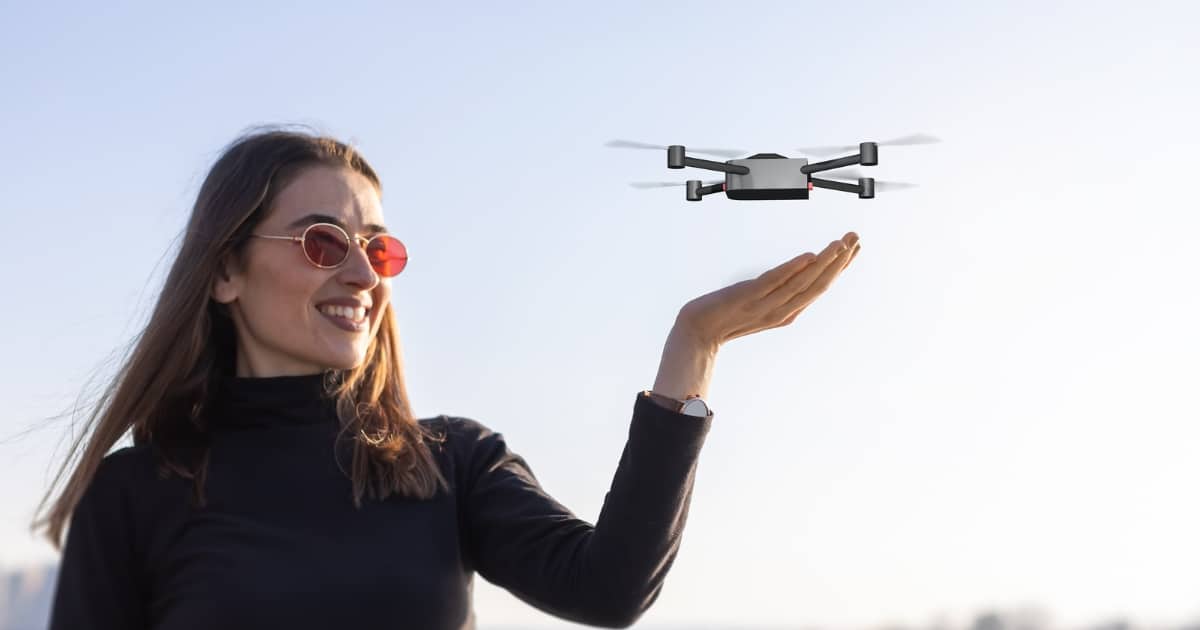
{"x": 325, "y": 246}
{"x": 387, "y": 255}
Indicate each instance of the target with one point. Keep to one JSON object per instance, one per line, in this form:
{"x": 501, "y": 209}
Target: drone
{"x": 773, "y": 176}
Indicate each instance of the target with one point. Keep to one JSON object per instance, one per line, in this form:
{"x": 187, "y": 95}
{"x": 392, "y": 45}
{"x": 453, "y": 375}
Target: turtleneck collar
{"x": 245, "y": 401}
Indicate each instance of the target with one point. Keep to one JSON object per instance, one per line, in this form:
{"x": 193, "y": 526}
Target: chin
{"x": 346, "y": 359}
{"x": 346, "y": 363}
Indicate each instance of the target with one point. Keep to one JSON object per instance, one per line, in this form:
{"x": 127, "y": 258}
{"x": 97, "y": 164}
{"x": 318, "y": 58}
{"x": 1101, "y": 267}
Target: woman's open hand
{"x": 771, "y": 300}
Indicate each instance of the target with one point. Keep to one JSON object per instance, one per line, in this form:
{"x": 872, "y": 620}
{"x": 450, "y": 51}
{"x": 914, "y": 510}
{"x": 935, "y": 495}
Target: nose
{"x": 357, "y": 269}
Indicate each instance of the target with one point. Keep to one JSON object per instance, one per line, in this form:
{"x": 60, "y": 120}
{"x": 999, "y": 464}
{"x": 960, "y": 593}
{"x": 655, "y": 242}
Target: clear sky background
{"x": 995, "y": 406}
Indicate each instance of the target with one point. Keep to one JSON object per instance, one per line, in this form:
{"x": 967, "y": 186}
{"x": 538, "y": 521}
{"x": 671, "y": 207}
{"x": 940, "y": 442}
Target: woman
{"x": 278, "y": 475}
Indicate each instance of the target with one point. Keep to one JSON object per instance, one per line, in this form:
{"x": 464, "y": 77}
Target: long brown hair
{"x": 162, "y": 390}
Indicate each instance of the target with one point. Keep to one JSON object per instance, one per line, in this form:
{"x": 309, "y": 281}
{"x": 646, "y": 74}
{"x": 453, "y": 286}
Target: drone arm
{"x": 677, "y": 158}
{"x": 828, "y": 165}
{"x": 710, "y": 165}
{"x": 868, "y": 155}
{"x": 865, "y": 188}
{"x": 695, "y": 191}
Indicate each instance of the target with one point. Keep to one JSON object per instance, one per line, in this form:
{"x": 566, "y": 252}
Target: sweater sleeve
{"x": 97, "y": 586}
{"x": 608, "y": 574}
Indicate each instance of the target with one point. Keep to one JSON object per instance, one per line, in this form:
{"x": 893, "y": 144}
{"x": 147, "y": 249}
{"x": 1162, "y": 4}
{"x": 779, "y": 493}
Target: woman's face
{"x": 273, "y": 300}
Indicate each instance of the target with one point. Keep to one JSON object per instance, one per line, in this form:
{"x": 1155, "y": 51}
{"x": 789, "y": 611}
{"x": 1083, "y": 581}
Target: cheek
{"x": 283, "y": 299}
{"x": 380, "y": 298}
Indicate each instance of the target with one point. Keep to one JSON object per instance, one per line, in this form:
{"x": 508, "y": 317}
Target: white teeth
{"x": 345, "y": 312}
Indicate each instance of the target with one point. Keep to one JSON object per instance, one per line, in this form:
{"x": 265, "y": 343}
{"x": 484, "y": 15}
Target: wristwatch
{"x": 693, "y": 406}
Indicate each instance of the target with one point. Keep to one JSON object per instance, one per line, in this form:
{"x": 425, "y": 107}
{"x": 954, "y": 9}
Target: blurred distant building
{"x": 25, "y": 597}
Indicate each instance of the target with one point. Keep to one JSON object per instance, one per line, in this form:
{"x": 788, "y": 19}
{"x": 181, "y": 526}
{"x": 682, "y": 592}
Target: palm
{"x": 771, "y": 300}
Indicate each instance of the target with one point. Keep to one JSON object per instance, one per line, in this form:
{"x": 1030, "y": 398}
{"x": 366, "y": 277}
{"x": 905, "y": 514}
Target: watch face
{"x": 695, "y": 407}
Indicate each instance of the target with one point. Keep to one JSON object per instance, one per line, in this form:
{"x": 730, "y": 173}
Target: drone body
{"x": 772, "y": 176}
{"x": 765, "y": 176}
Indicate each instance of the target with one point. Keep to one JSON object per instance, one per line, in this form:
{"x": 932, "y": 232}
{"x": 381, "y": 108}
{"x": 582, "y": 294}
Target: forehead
{"x": 337, "y": 192}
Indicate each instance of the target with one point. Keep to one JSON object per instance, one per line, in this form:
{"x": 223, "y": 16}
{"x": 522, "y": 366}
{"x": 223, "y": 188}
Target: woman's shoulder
{"x": 136, "y": 471}
{"x": 458, "y": 428}
{"x": 124, "y": 464}
{"x": 116, "y": 479}
{"x": 460, "y": 437}
{"x": 131, "y": 469}
{"x": 469, "y": 449}
{"x": 465, "y": 441}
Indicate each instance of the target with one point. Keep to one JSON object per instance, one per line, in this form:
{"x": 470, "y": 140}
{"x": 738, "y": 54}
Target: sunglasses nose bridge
{"x": 361, "y": 243}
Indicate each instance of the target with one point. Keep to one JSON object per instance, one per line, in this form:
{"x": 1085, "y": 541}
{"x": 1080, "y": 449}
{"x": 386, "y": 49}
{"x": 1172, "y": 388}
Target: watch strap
{"x": 672, "y": 404}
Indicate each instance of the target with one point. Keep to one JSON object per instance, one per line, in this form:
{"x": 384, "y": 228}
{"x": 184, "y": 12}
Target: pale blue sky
{"x": 994, "y": 406}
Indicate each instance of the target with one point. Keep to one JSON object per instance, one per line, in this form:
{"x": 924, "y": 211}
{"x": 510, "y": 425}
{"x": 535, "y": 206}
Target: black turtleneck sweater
{"x": 281, "y": 545}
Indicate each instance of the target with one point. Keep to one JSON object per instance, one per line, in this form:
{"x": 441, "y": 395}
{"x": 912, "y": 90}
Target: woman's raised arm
{"x": 522, "y": 539}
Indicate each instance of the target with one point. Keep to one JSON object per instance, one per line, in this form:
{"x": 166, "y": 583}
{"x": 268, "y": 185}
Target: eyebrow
{"x": 325, "y": 218}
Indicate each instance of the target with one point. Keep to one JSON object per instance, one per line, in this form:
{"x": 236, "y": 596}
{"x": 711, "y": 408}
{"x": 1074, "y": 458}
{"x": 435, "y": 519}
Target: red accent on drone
{"x": 810, "y": 185}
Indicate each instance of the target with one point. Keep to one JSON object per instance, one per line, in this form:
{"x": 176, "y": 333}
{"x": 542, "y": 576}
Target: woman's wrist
{"x": 687, "y": 365}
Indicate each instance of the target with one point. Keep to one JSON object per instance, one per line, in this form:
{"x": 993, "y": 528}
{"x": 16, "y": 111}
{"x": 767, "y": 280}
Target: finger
{"x": 779, "y": 288}
{"x": 832, "y": 271}
{"x": 801, "y": 298}
{"x": 803, "y": 282}
{"x": 830, "y": 256}
{"x": 826, "y": 255}
{"x": 798, "y": 295}
{"x": 775, "y": 277}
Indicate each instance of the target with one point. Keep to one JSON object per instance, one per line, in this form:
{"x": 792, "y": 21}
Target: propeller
{"x": 665, "y": 184}
{"x": 630, "y": 144}
{"x": 852, "y": 173}
{"x": 916, "y": 138}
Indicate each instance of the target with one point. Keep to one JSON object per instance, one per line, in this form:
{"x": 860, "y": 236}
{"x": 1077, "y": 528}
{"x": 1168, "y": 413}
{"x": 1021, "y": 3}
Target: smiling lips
{"x": 340, "y": 316}
{"x": 354, "y": 314}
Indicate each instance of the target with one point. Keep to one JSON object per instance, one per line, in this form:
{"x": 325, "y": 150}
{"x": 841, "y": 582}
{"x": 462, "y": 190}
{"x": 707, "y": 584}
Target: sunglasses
{"x": 327, "y": 246}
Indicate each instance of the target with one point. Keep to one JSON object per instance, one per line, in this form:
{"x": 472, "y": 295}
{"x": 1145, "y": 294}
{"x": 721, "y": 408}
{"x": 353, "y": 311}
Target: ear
{"x": 228, "y": 283}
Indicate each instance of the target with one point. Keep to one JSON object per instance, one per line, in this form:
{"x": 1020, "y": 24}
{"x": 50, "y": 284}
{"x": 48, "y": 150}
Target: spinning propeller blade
{"x": 916, "y": 138}
{"x": 854, "y": 174}
{"x": 665, "y": 184}
{"x": 631, "y": 144}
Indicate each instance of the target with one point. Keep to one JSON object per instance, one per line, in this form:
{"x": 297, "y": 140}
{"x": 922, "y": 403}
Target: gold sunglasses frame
{"x": 361, "y": 241}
